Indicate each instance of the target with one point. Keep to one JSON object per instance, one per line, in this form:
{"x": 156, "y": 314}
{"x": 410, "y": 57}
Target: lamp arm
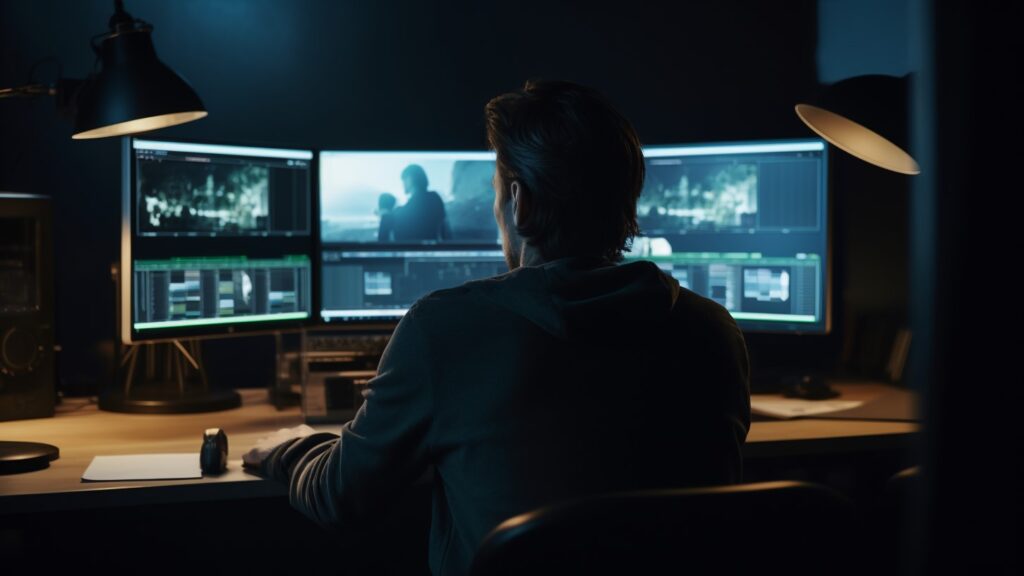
{"x": 28, "y": 91}
{"x": 64, "y": 91}
{"x": 34, "y": 88}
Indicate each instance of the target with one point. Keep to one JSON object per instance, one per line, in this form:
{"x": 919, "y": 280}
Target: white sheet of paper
{"x": 143, "y": 467}
{"x": 775, "y": 406}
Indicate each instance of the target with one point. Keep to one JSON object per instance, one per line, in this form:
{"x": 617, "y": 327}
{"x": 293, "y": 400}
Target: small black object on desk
{"x": 17, "y": 457}
{"x": 213, "y": 456}
{"x": 808, "y": 387}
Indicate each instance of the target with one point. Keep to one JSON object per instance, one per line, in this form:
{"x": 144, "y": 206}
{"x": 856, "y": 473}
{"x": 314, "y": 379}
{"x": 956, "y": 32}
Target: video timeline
{"x": 382, "y": 285}
{"x": 209, "y": 291}
{"x": 750, "y": 286}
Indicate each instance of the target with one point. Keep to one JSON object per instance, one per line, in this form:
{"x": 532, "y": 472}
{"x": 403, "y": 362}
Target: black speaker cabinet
{"x": 26, "y": 307}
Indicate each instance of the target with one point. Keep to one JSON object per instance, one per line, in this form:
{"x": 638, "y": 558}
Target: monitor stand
{"x": 171, "y": 380}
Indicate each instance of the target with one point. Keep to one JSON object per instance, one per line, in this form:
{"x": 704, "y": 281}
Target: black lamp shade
{"x": 865, "y": 116}
{"x": 134, "y": 91}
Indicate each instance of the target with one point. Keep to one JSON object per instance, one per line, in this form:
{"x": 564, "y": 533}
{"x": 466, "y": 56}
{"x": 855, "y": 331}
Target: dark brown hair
{"x": 580, "y": 161}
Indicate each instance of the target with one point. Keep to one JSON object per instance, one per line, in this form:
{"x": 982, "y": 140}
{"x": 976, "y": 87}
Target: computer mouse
{"x": 213, "y": 455}
{"x": 809, "y": 387}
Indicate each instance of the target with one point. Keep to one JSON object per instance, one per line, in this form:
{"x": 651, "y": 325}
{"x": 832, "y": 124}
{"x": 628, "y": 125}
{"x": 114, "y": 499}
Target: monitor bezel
{"x": 129, "y": 335}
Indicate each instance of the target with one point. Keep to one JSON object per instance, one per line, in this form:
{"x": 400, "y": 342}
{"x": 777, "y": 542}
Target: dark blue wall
{"x": 412, "y": 74}
{"x": 865, "y": 37}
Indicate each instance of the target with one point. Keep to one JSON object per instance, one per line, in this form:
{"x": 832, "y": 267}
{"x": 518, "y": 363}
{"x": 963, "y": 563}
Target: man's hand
{"x": 255, "y": 458}
{"x": 276, "y": 455}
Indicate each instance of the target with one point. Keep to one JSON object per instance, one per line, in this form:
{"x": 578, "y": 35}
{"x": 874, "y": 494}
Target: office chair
{"x": 771, "y": 527}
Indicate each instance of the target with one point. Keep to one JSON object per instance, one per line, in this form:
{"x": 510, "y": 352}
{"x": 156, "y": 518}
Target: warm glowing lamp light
{"x": 865, "y": 116}
{"x": 133, "y": 92}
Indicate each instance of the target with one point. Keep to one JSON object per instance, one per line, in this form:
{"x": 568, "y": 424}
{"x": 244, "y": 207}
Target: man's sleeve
{"x": 382, "y": 450}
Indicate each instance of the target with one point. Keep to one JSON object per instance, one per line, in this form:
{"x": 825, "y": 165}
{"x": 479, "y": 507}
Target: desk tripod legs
{"x": 131, "y": 357}
{"x": 166, "y": 378}
{"x": 174, "y": 363}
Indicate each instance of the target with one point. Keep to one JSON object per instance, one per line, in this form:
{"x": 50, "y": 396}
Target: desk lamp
{"x": 865, "y": 116}
{"x": 133, "y": 92}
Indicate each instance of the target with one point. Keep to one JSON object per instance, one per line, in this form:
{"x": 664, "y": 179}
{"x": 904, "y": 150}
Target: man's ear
{"x": 520, "y": 203}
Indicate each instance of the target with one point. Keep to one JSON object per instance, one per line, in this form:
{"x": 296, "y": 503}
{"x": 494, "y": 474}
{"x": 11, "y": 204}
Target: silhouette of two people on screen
{"x": 422, "y": 217}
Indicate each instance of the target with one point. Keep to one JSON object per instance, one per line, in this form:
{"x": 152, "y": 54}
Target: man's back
{"x": 572, "y": 378}
{"x": 546, "y": 383}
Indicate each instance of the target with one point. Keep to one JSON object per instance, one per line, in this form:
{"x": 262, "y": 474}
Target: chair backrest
{"x": 769, "y": 527}
{"x": 895, "y": 522}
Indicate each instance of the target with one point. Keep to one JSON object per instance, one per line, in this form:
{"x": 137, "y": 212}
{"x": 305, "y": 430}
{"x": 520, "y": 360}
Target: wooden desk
{"x": 879, "y": 424}
{"x": 81, "y": 431}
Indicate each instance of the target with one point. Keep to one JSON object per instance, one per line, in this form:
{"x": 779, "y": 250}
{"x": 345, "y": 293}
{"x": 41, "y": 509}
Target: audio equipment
{"x": 26, "y": 325}
{"x": 26, "y": 307}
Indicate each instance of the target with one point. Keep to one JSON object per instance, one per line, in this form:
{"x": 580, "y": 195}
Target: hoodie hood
{"x": 587, "y": 298}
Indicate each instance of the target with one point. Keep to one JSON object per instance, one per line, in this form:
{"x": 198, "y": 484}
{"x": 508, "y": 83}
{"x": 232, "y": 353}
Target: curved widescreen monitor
{"x": 745, "y": 224}
{"x": 395, "y": 226}
{"x": 216, "y": 239}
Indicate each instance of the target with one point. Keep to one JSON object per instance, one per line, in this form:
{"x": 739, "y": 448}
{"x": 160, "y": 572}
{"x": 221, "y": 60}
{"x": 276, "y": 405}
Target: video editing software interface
{"x": 744, "y": 225}
{"x": 221, "y": 237}
{"x": 395, "y": 226}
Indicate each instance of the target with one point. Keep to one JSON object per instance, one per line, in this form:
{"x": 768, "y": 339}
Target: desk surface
{"x": 81, "y": 431}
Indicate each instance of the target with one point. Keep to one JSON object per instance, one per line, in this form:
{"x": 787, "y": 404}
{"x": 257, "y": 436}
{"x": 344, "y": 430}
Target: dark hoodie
{"x": 545, "y": 383}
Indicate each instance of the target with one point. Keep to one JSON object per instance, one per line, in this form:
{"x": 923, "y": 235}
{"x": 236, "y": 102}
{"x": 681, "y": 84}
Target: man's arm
{"x": 383, "y": 450}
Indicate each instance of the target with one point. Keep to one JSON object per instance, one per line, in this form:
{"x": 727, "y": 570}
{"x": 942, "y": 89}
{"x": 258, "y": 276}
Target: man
{"x": 569, "y": 375}
{"x": 422, "y": 217}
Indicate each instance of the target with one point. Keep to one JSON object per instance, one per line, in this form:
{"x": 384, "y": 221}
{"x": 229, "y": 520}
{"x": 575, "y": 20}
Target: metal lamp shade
{"x": 134, "y": 91}
{"x": 865, "y": 116}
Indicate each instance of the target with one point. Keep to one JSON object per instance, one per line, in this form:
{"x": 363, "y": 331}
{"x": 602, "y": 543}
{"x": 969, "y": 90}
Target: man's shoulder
{"x": 698, "y": 313}
{"x": 465, "y": 298}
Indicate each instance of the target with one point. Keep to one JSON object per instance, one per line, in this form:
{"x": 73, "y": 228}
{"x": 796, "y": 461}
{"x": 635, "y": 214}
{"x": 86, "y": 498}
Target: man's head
{"x": 568, "y": 175}
{"x": 414, "y": 178}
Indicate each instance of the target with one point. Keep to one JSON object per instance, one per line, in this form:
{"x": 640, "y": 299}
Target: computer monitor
{"x": 745, "y": 224}
{"x": 216, "y": 239}
{"x": 395, "y": 226}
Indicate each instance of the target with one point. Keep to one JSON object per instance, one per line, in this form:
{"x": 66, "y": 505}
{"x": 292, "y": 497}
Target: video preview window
{"x": 183, "y": 197}
{"x": 407, "y": 198}
{"x": 184, "y": 192}
{"x": 707, "y": 196}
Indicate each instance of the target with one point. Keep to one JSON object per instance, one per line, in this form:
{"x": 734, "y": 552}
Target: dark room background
{"x": 410, "y": 75}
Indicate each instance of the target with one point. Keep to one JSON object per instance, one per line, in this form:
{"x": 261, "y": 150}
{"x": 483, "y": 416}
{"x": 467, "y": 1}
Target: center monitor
{"x": 395, "y": 226}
